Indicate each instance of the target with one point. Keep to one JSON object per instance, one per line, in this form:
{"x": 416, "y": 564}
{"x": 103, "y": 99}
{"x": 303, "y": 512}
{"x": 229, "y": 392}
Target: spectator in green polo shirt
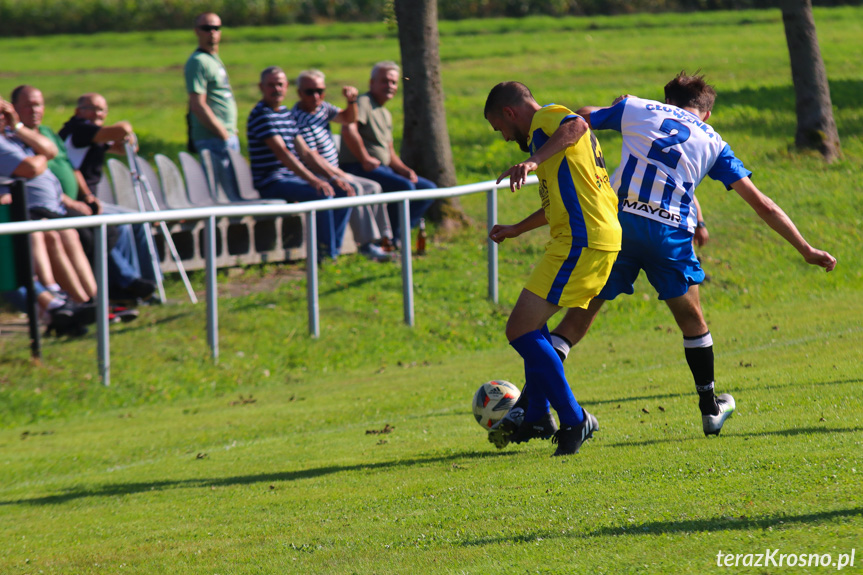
{"x": 212, "y": 108}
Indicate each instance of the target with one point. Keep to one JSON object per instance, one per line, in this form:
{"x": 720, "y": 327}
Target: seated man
{"x": 83, "y": 142}
{"x": 274, "y": 143}
{"x": 370, "y": 224}
{"x": 367, "y": 146}
{"x": 58, "y": 315}
{"x": 24, "y": 154}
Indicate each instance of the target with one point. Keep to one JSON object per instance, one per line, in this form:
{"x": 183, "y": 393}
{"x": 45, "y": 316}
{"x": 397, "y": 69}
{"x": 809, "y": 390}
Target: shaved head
{"x": 507, "y": 95}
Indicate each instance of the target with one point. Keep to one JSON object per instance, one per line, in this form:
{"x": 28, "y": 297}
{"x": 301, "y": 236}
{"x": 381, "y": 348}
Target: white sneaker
{"x": 375, "y": 253}
{"x": 712, "y": 424}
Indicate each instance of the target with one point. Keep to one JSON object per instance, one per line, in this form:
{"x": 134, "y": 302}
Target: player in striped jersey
{"x": 667, "y": 150}
{"x": 579, "y": 207}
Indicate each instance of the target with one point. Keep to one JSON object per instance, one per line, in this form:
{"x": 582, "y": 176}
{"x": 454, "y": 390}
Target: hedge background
{"x": 40, "y": 17}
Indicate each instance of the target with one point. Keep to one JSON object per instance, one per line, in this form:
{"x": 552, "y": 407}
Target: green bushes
{"x": 39, "y": 17}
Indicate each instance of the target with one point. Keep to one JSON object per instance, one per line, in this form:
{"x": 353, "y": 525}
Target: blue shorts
{"x": 663, "y": 252}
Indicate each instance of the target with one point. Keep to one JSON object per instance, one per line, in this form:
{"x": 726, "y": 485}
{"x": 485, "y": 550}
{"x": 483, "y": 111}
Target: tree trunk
{"x": 425, "y": 144}
{"x": 816, "y": 128}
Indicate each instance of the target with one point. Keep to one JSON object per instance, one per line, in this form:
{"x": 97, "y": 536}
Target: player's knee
{"x": 515, "y": 329}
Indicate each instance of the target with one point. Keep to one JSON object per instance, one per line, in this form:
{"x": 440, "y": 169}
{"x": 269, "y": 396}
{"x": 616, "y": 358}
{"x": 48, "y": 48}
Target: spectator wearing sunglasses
{"x": 370, "y": 224}
{"x": 278, "y": 156}
{"x": 212, "y": 109}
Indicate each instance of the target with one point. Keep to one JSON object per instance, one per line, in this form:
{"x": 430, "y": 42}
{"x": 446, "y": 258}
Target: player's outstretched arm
{"x": 566, "y": 135}
{"x": 586, "y": 111}
{"x": 701, "y": 234}
{"x": 779, "y": 221}
{"x": 501, "y": 232}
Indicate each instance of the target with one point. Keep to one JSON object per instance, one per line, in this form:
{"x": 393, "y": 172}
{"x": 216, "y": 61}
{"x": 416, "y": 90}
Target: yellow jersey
{"x": 579, "y": 203}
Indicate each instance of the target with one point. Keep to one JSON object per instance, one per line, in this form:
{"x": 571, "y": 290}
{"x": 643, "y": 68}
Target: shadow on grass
{"x": 797, "y": 431}
{"x": 384, "y": 272}
{"x": 808, "y": 383}
{"x": 636, "y": 398}
{"x": 737, "y": 387}
{"x": 745, "y": 435}
{"x": 654, "y": 528}
{"x": 844, "y": 94}
{"x": 114, "y": 489}
{"x": 142, "y": 325}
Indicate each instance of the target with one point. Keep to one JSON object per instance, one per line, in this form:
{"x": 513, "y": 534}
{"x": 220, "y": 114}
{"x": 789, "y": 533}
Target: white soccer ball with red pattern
{"x": 492, "y": 401}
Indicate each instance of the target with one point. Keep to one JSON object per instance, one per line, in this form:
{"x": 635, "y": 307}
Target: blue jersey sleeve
{"x": 728, "y": 169}
{"x": 608, "y": 118}
{"x": 569, "y": 118}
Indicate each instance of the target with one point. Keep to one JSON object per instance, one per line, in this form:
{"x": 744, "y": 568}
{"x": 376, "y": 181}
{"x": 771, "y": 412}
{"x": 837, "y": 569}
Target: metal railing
{"x": 210, "y": 214}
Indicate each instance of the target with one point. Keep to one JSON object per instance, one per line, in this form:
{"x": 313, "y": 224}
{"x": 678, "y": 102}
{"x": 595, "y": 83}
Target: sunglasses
{"x": 209, "y": 28}
{"x": 313, "y": 91}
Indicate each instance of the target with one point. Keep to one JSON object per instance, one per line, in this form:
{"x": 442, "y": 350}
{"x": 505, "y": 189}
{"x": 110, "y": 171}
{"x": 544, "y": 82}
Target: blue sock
{"x": 545, "y": 333}
{"x": 540, "y": 400}
{"x": 537, "y": 403}
{"x": 545, "y": 381}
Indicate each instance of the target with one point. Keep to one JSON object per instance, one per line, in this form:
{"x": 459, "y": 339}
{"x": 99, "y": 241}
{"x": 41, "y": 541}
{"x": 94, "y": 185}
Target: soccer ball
{"x": 492, "y": 401}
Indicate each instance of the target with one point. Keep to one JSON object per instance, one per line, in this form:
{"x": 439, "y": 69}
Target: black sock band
{"x": 699, "y": 356}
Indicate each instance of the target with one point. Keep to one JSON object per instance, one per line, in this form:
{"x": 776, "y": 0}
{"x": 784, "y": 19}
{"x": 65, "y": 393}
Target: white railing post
{"x": 407, "y": 269}
{"x": 212, "y": 288}
{"x": 491, "y": 213}
{"x": 99, "y": 222}
{"x": 101, "y": 271}
{"x": 312, "y": 273}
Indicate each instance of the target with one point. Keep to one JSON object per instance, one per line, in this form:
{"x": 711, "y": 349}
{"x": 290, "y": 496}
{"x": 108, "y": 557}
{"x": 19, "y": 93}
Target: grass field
{"x": 275, "y": 460}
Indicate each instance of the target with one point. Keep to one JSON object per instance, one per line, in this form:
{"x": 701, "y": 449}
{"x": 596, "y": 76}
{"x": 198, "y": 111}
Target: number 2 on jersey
{"x": 671, "y": 157}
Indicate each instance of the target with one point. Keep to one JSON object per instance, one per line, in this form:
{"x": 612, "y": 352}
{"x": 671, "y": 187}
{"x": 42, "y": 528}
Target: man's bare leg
{"x": 41, "y": 259}
{"x": 63, "y": 269}
{"x": 697, "y": 345}
{"x": 72, "y": 243}
{"x": 574, "y": 326}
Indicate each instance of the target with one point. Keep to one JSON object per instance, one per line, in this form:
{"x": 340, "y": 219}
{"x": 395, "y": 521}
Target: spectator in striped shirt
{"x": 370, "y": 224}
{"x": 277, "y": 172}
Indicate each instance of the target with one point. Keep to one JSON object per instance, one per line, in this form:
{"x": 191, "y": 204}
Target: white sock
{"x": 560, "y": 345}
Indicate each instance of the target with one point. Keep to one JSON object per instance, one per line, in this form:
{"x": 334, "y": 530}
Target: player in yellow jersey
{"x": 580, "y": 209}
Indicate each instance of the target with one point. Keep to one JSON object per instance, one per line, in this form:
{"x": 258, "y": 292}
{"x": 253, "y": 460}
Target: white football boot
{"x": 713, "y": 423}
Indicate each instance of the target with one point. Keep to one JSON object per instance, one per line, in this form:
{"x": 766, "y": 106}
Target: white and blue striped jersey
{"x": 315, "y": 130}
{"x": 666, "y": 153}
